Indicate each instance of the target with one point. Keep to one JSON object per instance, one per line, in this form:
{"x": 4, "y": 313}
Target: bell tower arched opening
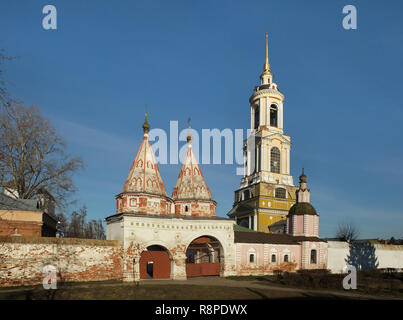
{"x": 273, "y": 115}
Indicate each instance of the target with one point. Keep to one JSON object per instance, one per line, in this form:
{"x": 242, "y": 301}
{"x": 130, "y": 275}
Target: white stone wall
{"x": 363, "y": 256}
{"x": 174, "y": 234}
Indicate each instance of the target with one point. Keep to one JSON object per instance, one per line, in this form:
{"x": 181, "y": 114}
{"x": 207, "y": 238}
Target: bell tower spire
{"x": 266, "y": 68}
{"x": 266, "y": 77}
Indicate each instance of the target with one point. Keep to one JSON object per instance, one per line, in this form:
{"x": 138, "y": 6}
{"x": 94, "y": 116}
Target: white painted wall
{"x": 385, "y": 256}
{"x": 175, "y": 234}
{"x": 337, "y": 252}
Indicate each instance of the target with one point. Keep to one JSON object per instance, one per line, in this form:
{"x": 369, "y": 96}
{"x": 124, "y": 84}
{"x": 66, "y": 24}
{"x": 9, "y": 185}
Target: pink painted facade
{"x": 300, "y": 248}
{"x": 268, "y": 258}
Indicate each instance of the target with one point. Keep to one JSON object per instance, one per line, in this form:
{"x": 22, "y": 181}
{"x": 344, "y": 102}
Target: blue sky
{"x": 343, "y": 109}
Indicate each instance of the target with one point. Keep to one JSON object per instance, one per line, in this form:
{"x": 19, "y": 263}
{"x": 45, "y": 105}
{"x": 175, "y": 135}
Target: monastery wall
{"x": 22, "y": 259}
{"x": 363, "y": 255}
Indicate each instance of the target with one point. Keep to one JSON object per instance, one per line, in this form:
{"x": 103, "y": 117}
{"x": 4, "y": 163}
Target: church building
{"x": 272, "y": 225}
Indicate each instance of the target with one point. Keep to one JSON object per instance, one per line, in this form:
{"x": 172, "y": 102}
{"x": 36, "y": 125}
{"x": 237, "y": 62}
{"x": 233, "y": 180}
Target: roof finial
{"x": 267, "y": 65}
{"x": 302, "y": 177}
{"x": 189, "y": 136}
{"x": 146, "y": 126}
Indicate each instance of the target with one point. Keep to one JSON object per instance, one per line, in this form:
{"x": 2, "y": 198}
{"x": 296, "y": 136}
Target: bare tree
{"x": 33, "y": 156}
{"x": 4, "y": 98}
{"x": 95, "y": 230}
{"x": 78, "y": 227}
{"x": 347, "y": 232}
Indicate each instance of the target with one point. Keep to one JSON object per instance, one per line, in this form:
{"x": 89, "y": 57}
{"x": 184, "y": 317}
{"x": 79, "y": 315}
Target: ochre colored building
{"x": 25, "y": 218}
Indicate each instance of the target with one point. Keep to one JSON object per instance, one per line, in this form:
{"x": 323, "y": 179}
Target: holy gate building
{"x": 272, "y": 225}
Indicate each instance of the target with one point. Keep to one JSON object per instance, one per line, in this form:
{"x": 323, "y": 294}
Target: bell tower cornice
{"x": 264, "y": 92}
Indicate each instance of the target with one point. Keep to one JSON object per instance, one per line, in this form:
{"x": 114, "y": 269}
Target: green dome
{"x": 302, "y": 208}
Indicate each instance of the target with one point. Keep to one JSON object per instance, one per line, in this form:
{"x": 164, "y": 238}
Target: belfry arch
{"x": 204, "y": 257}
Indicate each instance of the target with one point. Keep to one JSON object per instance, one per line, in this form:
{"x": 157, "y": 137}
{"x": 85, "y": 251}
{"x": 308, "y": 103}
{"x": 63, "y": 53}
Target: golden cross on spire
{"x": 267, "y": 65}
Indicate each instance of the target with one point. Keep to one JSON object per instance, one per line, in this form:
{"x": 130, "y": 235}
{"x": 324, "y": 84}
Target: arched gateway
{"x": 155, "y": 263}
{"x": 204, "y": 257}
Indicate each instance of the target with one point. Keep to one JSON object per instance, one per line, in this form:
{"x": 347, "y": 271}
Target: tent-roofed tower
{"x": 191, "y": 195}
{"x": 144, "y": 190}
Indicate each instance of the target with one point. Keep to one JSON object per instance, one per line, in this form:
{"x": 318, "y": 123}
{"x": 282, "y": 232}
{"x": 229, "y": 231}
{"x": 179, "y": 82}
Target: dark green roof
{"x": 272, "y": 238}
{"x": 302, "y": 208}
{"x": 240, "y": 228}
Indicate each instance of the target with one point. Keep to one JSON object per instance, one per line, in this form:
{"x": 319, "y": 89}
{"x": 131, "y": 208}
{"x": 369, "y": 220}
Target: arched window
{"x": 280, "y": 193}
{"x": 273, "y": 115}
{"x": 257, "y": 116}
{"x": 273, "y": 258}
{"x": 246, "y": 194}
{"x": 186, "y": 208}
{"x": 286, "y": 258}
{"x": 275, "y": 160}
{"x": 252, "y": 258}
{"x": 313, "y": 256}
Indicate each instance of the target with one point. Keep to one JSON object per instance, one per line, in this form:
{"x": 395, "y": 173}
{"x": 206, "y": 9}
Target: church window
{"x": 246, "y": 194}
{"x": 313, "y": 256}
{"x": 273, "y": 258}
{"x": 252, "y": 258}
{"x": 275, "y": 160}
{"x": 280, "y": 193}
{"x": 257, "y": 116}
{"x": 273, "y": 115}
{"x": 286, "y": 258}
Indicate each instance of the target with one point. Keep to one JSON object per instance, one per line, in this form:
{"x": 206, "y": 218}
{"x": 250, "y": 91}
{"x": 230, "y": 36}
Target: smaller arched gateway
{"x": 155, "y": 263}
{"x": 204, "y": 257}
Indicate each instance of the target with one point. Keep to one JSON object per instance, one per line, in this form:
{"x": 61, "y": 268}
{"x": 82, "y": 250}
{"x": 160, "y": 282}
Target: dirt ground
{"x": 206, "y": 288}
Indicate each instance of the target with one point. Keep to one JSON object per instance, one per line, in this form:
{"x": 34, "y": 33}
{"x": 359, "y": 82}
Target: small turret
{"x": 303, "y": 194}
{"x": 302, "y": 219}
{"x": 144, "y": 190}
